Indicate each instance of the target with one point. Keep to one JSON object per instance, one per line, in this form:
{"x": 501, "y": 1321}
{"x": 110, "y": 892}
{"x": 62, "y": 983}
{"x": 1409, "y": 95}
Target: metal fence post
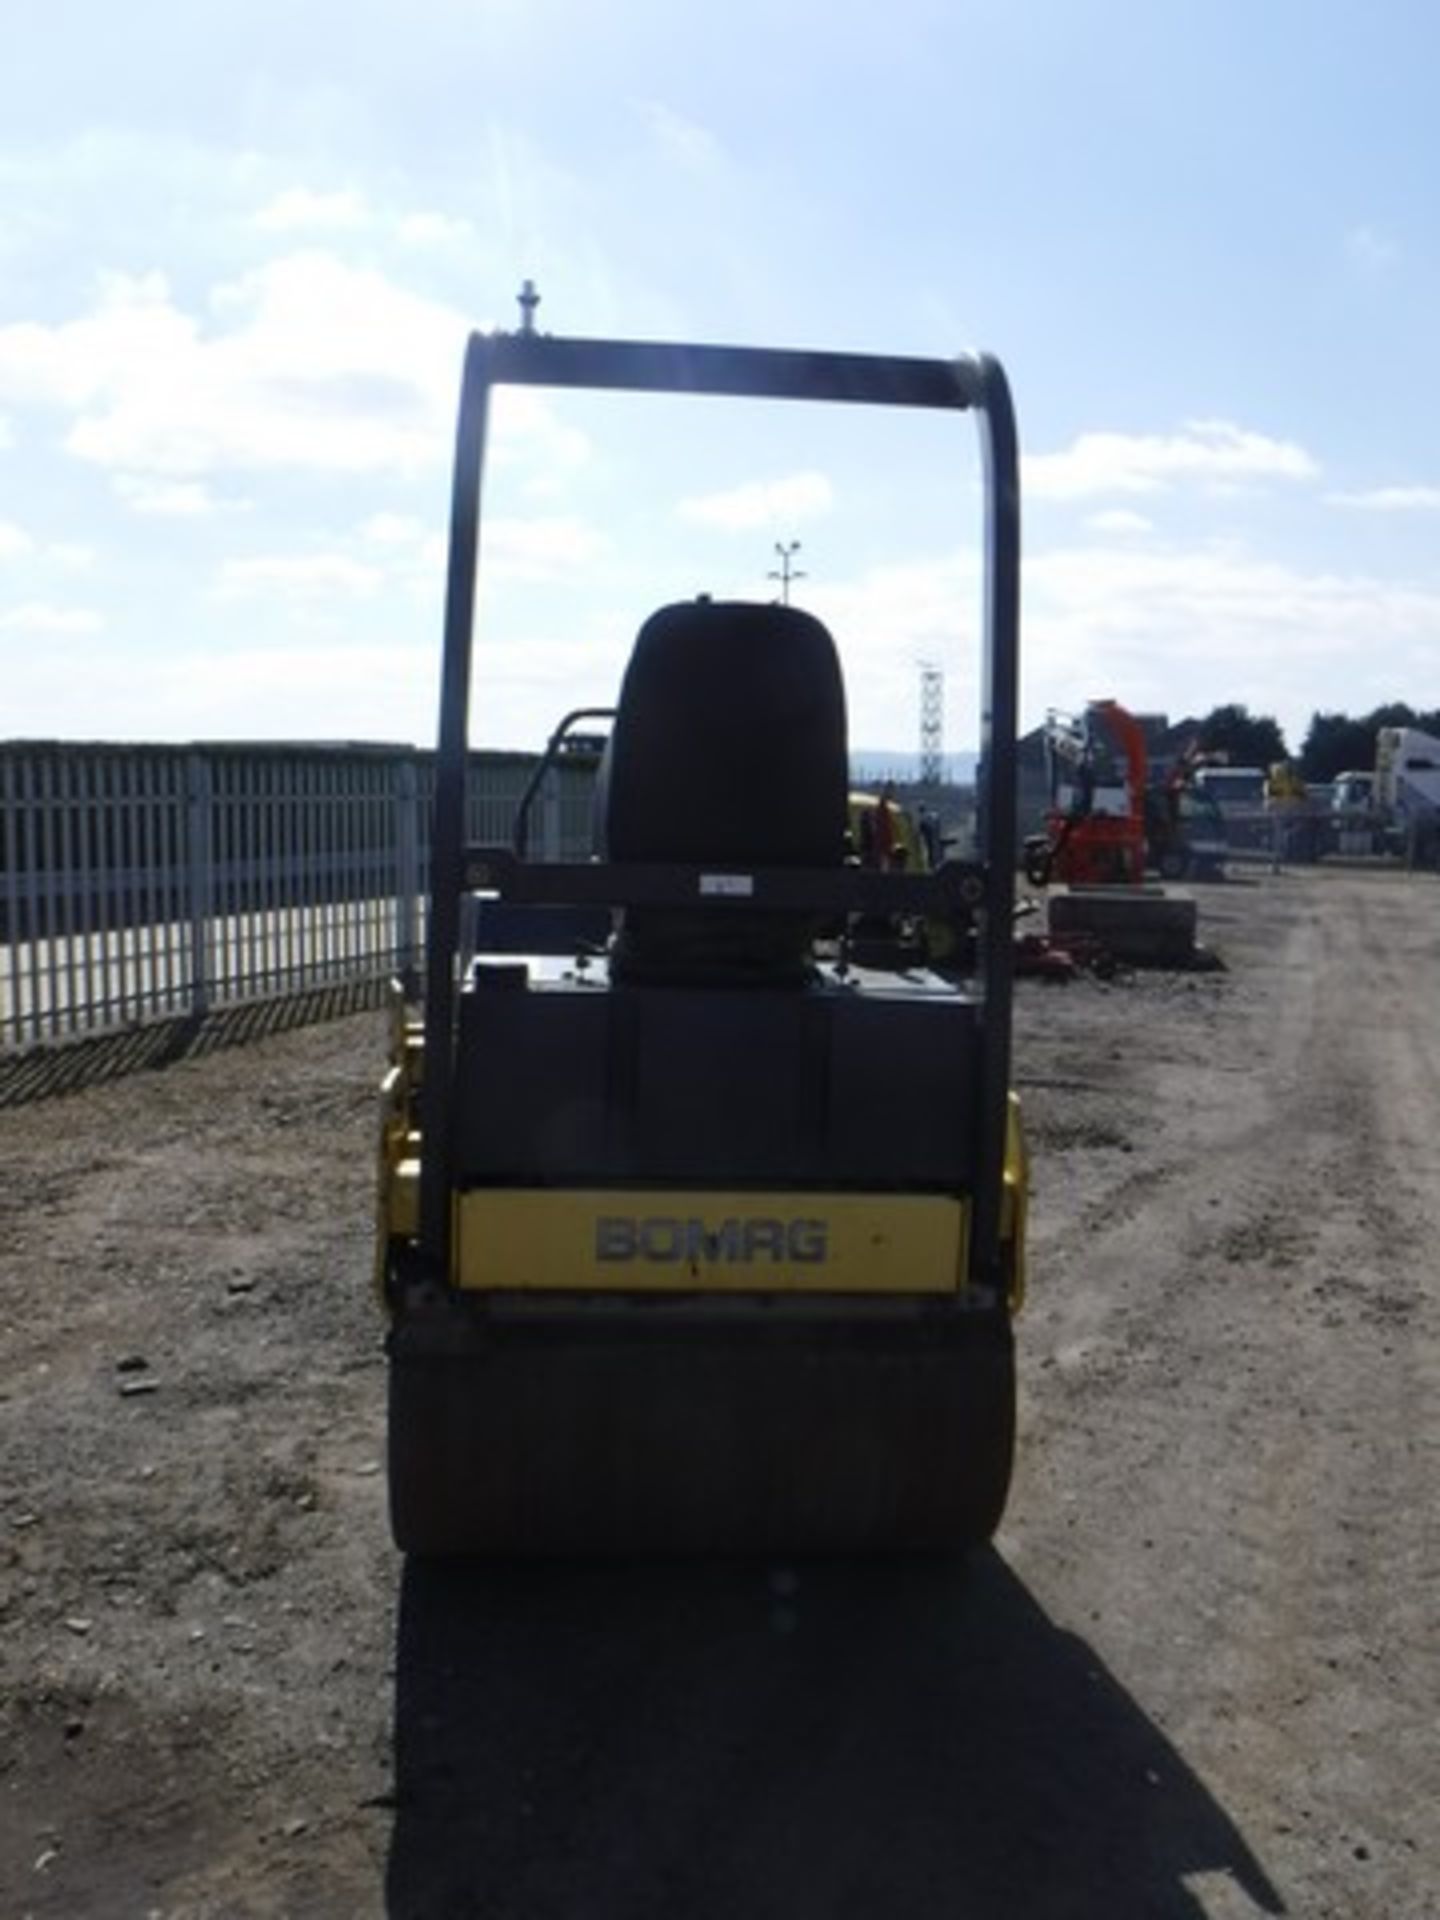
{"x": 201, "y": 869}
{"x": 407, "y": 866}
{"x": 19, "y": 922}
{"x": 550, "y": 835}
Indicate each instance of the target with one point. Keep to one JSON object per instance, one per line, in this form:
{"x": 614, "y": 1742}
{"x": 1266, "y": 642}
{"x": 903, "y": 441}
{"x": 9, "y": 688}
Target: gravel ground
{"x": 1196, "y": 1676}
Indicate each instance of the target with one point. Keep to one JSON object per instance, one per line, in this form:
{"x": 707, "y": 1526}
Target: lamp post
{"x": 785, "y": 573}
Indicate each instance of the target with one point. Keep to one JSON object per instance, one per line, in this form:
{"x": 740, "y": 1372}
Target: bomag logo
{"x": 667, "y": 1239}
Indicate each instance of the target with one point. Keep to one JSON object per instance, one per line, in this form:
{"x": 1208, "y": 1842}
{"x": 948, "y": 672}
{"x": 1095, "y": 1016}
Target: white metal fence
{"x": 1255, "y": 836}
{"x": 1292, "y": 834}
{"x": 145, "y": 881}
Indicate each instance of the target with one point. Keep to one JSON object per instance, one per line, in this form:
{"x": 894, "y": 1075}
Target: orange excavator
{"x": 1095, "y": 825}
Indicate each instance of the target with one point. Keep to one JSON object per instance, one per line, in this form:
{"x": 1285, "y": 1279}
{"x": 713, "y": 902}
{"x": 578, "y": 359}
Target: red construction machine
{"x": 1095, "y": 825}
{"x": 1104, "y": 825}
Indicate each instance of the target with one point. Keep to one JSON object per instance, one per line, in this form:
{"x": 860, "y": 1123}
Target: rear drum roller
{"x": 593, "y": 1439}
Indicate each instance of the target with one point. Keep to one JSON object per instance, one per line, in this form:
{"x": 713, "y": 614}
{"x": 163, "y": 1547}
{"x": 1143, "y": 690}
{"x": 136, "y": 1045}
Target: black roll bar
{"x": 972, "y": 382}
{"x": 520, "y": 832}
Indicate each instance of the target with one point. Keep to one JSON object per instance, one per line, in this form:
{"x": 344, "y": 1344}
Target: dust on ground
{"x": 1196, "y": 1676}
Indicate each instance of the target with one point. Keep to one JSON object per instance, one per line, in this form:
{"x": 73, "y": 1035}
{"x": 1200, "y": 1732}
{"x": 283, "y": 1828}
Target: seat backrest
{"x": 729, "y": 748}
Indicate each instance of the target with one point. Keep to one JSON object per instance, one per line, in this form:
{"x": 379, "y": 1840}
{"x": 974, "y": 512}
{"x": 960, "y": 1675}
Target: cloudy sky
{"x": 241, "y": 246}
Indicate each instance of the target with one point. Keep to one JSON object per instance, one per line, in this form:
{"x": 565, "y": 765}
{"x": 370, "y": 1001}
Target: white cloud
{"x": 1119, "y": 520}
{"x": 1185, "y": 628}
{"x": 1370, "y": 250}
{"x": 298, "y": 208}
{"x": 778, "y": 504}
{"x": 313, "y": 686}
{"x": 513, "y": 547}
{"x": 682, "y": 142}
{"x": 888, "y": 619}
{"x": 395, "y": 530}
{"x": 133, "y": 331}
{"x": 364, "y": 689}
{"x": 7, "y": 433}
{"x": 1162, "y": 627}
{"x": 180, "y": 499}
{"x": 413, "y": 554}
{"x": 538, "y": 549}
{"x": 305, "y": 576}
{"x": 17, "y": 544}
{"x": 38, "y": 618}
{"x": 917, "y": 607}
{"x": 1206, "y": 451}
{"x": 529, "y": 439}
{"x": 1390, "y": 499}
{"x": 305, "y": 363}
{"x": 433, "y": 230}
{"x": 325, "y": 366}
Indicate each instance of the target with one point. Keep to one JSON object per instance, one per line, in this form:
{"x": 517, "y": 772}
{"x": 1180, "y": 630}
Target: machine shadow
{"x": 722, "y": 1741}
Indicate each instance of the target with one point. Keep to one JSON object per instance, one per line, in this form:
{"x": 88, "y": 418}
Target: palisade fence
{"x": 1260, "y": 836}
{"x": 142, "y": 882}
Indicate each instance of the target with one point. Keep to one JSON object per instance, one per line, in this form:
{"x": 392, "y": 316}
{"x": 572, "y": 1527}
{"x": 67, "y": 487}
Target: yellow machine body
{"x": 702, "y": 1197}
{"x": 621, "y": 1240}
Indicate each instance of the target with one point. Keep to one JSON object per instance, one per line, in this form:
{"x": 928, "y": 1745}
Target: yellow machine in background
{"x": 1284, "y": 784}
{"x": 885, "y": 834}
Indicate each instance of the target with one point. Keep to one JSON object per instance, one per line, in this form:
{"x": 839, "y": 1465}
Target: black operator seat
{"x": 728, "y": 750}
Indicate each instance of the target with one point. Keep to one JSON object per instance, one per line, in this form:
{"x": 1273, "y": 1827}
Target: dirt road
{"x": 1197, "y": 1676}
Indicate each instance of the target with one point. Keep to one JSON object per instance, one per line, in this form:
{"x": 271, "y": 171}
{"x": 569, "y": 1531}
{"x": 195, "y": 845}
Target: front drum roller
{"x": 581, "y": 1436}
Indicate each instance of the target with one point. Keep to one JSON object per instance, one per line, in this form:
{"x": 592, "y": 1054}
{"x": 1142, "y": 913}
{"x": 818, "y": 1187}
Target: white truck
{"x": 1407, "y": 790}
{"x": 1394, "y": 808}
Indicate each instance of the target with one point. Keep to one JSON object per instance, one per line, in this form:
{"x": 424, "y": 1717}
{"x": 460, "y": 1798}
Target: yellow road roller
{"x": 696, "y": 1234}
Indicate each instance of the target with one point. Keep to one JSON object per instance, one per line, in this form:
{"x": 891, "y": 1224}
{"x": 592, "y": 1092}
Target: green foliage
{"x": 1250, "y": 740}
{"x": 1336, "y": 744}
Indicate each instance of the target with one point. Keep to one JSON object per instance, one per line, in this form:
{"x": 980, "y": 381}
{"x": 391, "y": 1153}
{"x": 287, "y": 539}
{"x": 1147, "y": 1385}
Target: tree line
{"x": 1335, "y": 743}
